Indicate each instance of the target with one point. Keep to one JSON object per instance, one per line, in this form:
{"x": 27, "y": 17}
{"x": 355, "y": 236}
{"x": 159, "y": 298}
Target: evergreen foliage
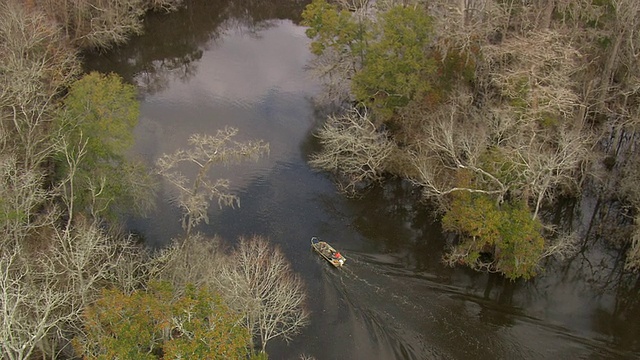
{"x": 502, "y": 238}
{"x": 397, "y": 65}
{"x": 334, "y": 29}
{"x": 98, "y": 118}
{"x": 390, "y": 57}
{"x": 104, "y": 111}
{"x": 161, "y": 324}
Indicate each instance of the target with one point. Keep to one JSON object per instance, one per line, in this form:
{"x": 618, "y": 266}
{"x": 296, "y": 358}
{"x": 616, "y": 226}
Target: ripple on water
{"x": 378, "y": 306}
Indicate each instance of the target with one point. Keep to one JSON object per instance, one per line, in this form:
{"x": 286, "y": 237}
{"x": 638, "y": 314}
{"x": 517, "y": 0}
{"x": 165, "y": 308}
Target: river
{"x": 242, "y": 64}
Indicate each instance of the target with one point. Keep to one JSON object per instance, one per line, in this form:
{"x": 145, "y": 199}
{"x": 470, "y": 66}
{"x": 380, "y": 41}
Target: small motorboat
{"x": 328, "y": 252}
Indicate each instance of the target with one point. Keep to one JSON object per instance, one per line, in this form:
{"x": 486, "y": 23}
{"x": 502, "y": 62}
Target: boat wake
{"x": 376, "y": 305}
{"x": 416, "y": 315}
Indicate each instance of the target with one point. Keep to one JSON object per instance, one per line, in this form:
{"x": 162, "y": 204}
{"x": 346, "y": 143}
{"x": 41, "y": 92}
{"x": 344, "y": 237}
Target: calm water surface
{"x": 241, "y": 64}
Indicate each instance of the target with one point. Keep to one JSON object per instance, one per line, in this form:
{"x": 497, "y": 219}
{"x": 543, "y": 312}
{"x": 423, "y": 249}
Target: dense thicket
{"x": 495, "y": 109}
{"x": 64, "y": 180}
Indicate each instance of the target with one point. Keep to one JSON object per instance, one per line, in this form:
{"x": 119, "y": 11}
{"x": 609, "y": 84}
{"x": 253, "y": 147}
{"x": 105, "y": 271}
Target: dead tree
{"x": 23, "y": 198}
{"x": 193, "y": 260}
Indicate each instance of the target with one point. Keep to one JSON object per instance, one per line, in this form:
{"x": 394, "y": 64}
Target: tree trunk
{"x": 607, "y": 73}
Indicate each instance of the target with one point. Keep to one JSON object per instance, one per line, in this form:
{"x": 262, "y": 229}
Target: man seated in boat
{"x": 336, "y": 255}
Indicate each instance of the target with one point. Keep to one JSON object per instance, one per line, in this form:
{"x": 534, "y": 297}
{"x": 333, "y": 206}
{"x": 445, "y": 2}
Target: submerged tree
{"x": 255, "y": 279}
{"x": 194, "y": 196}
{"x": 102, "y": 23}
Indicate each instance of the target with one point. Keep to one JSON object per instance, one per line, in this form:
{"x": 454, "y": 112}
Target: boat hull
{"x": 327, "y": 252}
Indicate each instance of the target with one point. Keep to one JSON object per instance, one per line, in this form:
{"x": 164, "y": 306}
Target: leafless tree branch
{"x": 206, "y": 150}
{"x": 259, "y": 283}
{"x": 353, "y": 147}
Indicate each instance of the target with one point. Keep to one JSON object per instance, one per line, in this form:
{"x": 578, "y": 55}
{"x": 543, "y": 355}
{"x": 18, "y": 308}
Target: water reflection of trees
{"x": 393, "y": 219}
{"x": 390, "y": 220}
{"x": 174, "y": 43}
{"x": 599, "y": 266}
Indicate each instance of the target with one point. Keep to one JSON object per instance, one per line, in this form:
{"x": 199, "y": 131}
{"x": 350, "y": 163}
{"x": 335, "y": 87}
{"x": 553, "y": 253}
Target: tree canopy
{"x": 503, "y": 238}
{"x": 98, "y": 117}
{"x": 489, "y": 107}
{"x": 161, "y": 324}
{"x": 397, "y": 65}
{"x": 67, "y": 269}
{"x": 104, "y": 111}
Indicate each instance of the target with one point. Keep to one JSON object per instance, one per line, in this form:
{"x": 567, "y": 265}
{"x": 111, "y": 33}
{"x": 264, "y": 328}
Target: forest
{"x": 74, "y": 283}
{"x": 497, "y": 110}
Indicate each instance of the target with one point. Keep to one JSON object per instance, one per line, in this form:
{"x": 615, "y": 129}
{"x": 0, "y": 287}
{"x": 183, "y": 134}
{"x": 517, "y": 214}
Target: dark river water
{"x": 242, "y": 64}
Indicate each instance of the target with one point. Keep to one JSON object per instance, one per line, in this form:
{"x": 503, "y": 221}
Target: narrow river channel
{"x": 242, "y": 64}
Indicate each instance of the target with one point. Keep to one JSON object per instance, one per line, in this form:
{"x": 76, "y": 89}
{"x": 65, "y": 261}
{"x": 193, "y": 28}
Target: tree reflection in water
{"x": 186, "y": 34}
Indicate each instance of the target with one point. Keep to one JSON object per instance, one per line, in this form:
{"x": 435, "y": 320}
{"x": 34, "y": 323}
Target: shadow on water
{"x": 240, "y": 63}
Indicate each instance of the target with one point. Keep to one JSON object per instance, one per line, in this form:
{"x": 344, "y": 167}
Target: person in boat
{"x": 337, "y": 255}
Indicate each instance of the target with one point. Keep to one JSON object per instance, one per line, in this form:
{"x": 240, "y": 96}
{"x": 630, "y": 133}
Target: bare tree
{"x": 50, "y": 270}
{"x": 564, "y": 246}
{"x": 259, "y": 283}
{"x": 353, "y": 148}
{"x": 97, "y": 23}
{"x": 537, "y": 121}
{"x": 32, "y": 307}
{"x": 335, "y": 70}
{"x": 22, "y": 201}
{"x": 36, "y": 63}
{"x": 69, "y": 271}
{"x": 449, "y": 145}
{"x": 548, "y": 167}
{"x": 623, "y": 51}
{"x": 464, "y": 24}
{"x": 532, "y": 167}
{"x": 166, "y": 5}
{"x": 193, "y": 260}
{"x": 339, "y": 58}
{"x": 90, "y": 257}
{"x": 255, "y": 280}
{"x": 194, "y": 196}
{"x": 534, "y": 72}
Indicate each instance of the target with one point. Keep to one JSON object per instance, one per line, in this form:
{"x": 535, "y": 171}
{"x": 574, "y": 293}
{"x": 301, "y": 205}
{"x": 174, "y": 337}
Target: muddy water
{"x": 221, "y": 63}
